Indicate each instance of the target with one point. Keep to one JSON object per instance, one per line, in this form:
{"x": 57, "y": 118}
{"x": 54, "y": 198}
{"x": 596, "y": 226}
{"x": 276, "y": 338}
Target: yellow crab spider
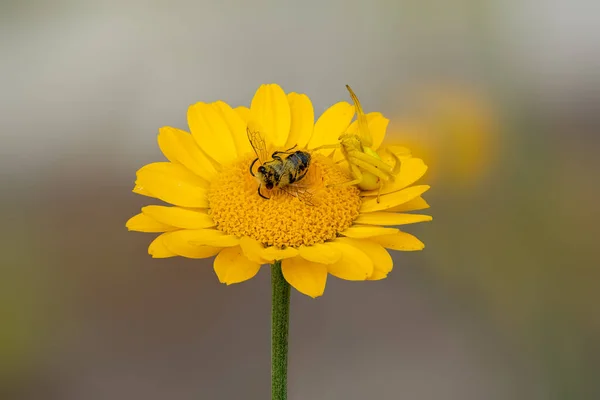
{"x": 367, "y": 168}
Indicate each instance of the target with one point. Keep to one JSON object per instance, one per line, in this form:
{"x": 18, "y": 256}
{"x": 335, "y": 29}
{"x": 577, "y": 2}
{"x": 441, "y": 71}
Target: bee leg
{"x": 252, "y": 165}
{"x": 260, "y": 194}
{"x": 288, "y": 151}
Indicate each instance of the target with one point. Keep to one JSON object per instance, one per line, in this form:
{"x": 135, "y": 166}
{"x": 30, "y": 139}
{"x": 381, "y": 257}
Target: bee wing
{"x": 363, "y": 127}
{"x": 258, "y": 143}
{"x": 300, "y": 192}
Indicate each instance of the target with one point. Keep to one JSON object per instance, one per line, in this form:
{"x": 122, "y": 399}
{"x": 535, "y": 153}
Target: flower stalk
{"x": 280, "y": 322}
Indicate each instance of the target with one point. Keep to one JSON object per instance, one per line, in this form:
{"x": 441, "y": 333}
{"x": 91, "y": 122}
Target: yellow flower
{"x": 217, "y": 210}
{"x": 457, "y": 129}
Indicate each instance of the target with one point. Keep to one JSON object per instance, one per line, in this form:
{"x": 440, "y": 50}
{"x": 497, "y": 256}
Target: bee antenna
{"x": 252, "y": 165}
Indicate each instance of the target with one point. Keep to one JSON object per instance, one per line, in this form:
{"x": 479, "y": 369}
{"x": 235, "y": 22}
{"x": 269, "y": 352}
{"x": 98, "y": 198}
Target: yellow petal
{"x": 211, "y": 132}
{"x": 390, "y": 200}
{"x": 273, "y": 253}
{"x": 354, "y": 265}
{"x": 231, "y": 266}
{"x": 174, "y": 184}
{"x": 178, "y": 243}
{"x": 303, "y": 120}
{"x": 418, "y": 203}
{"x": 377, "y": 127}
{"x": 270, "y": 108}
{"x": 359, "y": 232}
{"x": 180, "y": 147}
{"x": 306, "y": 277}
{"x": 158, "y": 249}
{"x": 144, "y": 223}
{"x": 170, "y": 168}
{"x": 399, "y": 241}
{"x": 137, "y": 189}
{"x": 244, "y": 113}
{"x": 208, "y": 237}
{"x": 390, "y": 218}
{"x": 179, "y": 217}
{"x": 332, "y": 123}
{"x": 252, "y": 249}
{"x": 382, "y": 261}
{"x": 322, "y": 253}
{"x": 411, "y": 170}
{"x": 237, "y": 128}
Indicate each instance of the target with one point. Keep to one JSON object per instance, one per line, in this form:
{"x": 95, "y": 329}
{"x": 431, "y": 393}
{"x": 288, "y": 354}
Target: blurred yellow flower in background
{"x": 217, "y": 210}
{"x": 455, "y": 129}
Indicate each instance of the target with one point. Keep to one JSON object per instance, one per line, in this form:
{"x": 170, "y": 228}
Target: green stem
{"x": 280, "y": 322}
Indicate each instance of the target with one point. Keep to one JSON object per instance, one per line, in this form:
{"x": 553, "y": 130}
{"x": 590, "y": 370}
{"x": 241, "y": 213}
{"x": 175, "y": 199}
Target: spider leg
{"x": 365, "y": 166}
{"x": 327, "y": 146}
{"x": 358, "y": 177}
{"x": 379, "y": 191}
{"x": 397, "y": 165}
{"x": 374, "y": 161}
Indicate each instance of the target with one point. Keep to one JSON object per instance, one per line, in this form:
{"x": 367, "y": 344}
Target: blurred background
{"x": 500, "y": 99}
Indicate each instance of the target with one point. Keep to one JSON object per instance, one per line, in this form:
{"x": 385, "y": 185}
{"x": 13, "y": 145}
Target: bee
{"x": 367, "y": 168}
{"x": 283, "y": 171}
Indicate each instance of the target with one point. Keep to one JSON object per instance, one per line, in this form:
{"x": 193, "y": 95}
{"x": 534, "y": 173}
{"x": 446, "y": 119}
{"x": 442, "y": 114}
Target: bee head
{"x": 265, "y": 176}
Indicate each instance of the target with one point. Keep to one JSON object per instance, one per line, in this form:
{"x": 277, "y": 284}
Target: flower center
{"x": 288, "y": 218}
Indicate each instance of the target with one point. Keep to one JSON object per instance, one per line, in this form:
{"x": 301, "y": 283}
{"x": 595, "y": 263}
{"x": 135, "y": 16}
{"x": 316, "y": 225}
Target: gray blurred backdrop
{"x": 501, "y": 304}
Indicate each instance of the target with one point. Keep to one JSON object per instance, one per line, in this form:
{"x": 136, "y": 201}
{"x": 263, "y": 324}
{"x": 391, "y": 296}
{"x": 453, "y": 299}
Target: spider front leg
{"x": 327, "y": 146}
{"x": 379, "y": 191}
{"x": 358, "y": 178}
{"x": 371, "y": 160}
{"x": 367, "y": 167}
{"x": 397, "y": 164}
{"x": 361, "y": 178}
